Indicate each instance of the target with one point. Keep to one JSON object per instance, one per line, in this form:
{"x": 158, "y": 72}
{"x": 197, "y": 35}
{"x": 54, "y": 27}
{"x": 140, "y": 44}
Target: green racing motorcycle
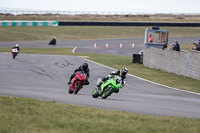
{"x": 108, "y": 87}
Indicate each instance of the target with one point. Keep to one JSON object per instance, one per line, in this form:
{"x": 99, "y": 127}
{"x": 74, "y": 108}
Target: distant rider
{"x": 122, "y": 73}
{"x": 86, "y": 70}
{"x": 53, "y": 41}
{"x": 16, "y": 47}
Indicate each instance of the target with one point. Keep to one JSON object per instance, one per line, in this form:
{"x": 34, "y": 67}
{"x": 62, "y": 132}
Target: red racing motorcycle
{"x": 77, "y": 82}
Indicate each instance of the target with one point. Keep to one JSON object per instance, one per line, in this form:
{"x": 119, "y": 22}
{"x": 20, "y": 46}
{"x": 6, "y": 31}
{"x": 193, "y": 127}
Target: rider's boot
{"x": 69, "y": 81}
{"x": 98, "y": 86}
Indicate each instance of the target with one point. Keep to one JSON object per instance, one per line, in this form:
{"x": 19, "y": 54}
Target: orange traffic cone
{"x": 95, "y": 45}
{"x": 120, "y": 45}
{"x": 106, "y": 45}
{"x": 133, "y": 45}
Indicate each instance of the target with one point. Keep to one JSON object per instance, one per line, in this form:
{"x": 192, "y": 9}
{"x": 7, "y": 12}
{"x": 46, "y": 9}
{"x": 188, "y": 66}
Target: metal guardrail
{"x": 66, "y": 12}
{"x": 19, "y": 12}
{"x": 92, "y": 23}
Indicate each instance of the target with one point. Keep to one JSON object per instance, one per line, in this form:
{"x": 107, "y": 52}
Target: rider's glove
{"x": 122, "y": 85}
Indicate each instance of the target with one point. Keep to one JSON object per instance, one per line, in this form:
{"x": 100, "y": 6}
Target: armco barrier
{"x": 92, "y": 23}
{"x": 106, "y": 23}
{"x": 28, "y": 23}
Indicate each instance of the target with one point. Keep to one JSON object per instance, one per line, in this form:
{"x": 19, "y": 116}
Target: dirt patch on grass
{"x": 97, "y": 17}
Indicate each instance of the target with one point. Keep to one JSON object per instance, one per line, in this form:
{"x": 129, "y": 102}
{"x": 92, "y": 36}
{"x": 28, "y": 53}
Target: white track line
{"x": 73, "y": 51}
{"x": 144, "y": 79}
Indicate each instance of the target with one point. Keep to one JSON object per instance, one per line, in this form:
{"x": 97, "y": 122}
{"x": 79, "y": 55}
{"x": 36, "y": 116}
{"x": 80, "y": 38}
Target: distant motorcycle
{"x": 15, "y": 51}
{"x": 77, "y": 82}
{"x": 108, "y": 87}
{"x": 52, "y": 42}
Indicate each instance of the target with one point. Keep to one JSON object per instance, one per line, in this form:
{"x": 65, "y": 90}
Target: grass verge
{"x": 85, "y": 32}
{"x": 20, "y": 115}
{"x": 186, "y": 46}
{"x": 30, "y": 115}
{"x": 117, "y": 62}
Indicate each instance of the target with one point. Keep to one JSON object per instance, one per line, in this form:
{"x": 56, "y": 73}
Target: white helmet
{"x": 16, "y": 45}
{"x": 123, "y": 71}
{"x": 54, "y": 37}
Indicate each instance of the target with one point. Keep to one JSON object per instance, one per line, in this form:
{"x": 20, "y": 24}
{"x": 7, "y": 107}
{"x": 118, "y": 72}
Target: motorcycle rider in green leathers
{"x": 122, "y": 73}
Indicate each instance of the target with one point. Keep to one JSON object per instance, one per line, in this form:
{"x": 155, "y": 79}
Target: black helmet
{"x": 84, "y": 66}
{"x": 123, "y": 71}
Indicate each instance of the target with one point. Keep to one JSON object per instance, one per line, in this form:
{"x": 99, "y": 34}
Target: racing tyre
{"x": 95, "y": 93}
{"x": 14, "y": 56}
{"x": 70, "y": 90}
{"x": 116, "y": 91}
{"x": 107, "y": 92}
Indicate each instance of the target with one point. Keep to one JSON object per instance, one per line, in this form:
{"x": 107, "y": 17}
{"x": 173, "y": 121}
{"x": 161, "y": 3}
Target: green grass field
{"x": 24, "y": 115}
{"x": 18, "y": 115}
{"x": 85, "y": 32}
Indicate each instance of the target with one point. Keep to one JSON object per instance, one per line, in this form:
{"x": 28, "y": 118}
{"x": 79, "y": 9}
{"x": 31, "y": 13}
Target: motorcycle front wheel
{"x": 77, "y": 88}
{"x": 70, "y": 90}
{"x": 14, "y": 55}
{"x": 107, "y": 92}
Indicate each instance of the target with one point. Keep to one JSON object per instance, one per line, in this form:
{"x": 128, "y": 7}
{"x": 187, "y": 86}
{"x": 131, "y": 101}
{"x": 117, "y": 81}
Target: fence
{"x": 19, "y": 12}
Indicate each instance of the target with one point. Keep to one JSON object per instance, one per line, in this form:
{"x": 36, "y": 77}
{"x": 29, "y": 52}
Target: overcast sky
{"x": 143, "y": 6}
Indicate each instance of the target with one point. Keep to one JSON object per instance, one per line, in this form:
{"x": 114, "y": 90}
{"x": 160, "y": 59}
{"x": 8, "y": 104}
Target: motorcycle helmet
{"x": 16, "y": 45}
{"x": 123, "y": 71}
{"x": 84, "y": 66}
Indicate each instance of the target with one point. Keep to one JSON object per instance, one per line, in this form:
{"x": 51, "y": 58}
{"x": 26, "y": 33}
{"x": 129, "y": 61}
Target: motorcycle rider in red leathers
{"x": 86, "y": 70}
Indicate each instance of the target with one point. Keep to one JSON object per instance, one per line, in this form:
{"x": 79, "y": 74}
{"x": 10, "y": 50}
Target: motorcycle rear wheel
{"x": 95, "y": 93}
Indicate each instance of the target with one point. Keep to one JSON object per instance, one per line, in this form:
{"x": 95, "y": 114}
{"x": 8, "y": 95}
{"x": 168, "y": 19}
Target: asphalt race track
{"x": 45, "y": 77}
{"x": 87, "y": 46}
